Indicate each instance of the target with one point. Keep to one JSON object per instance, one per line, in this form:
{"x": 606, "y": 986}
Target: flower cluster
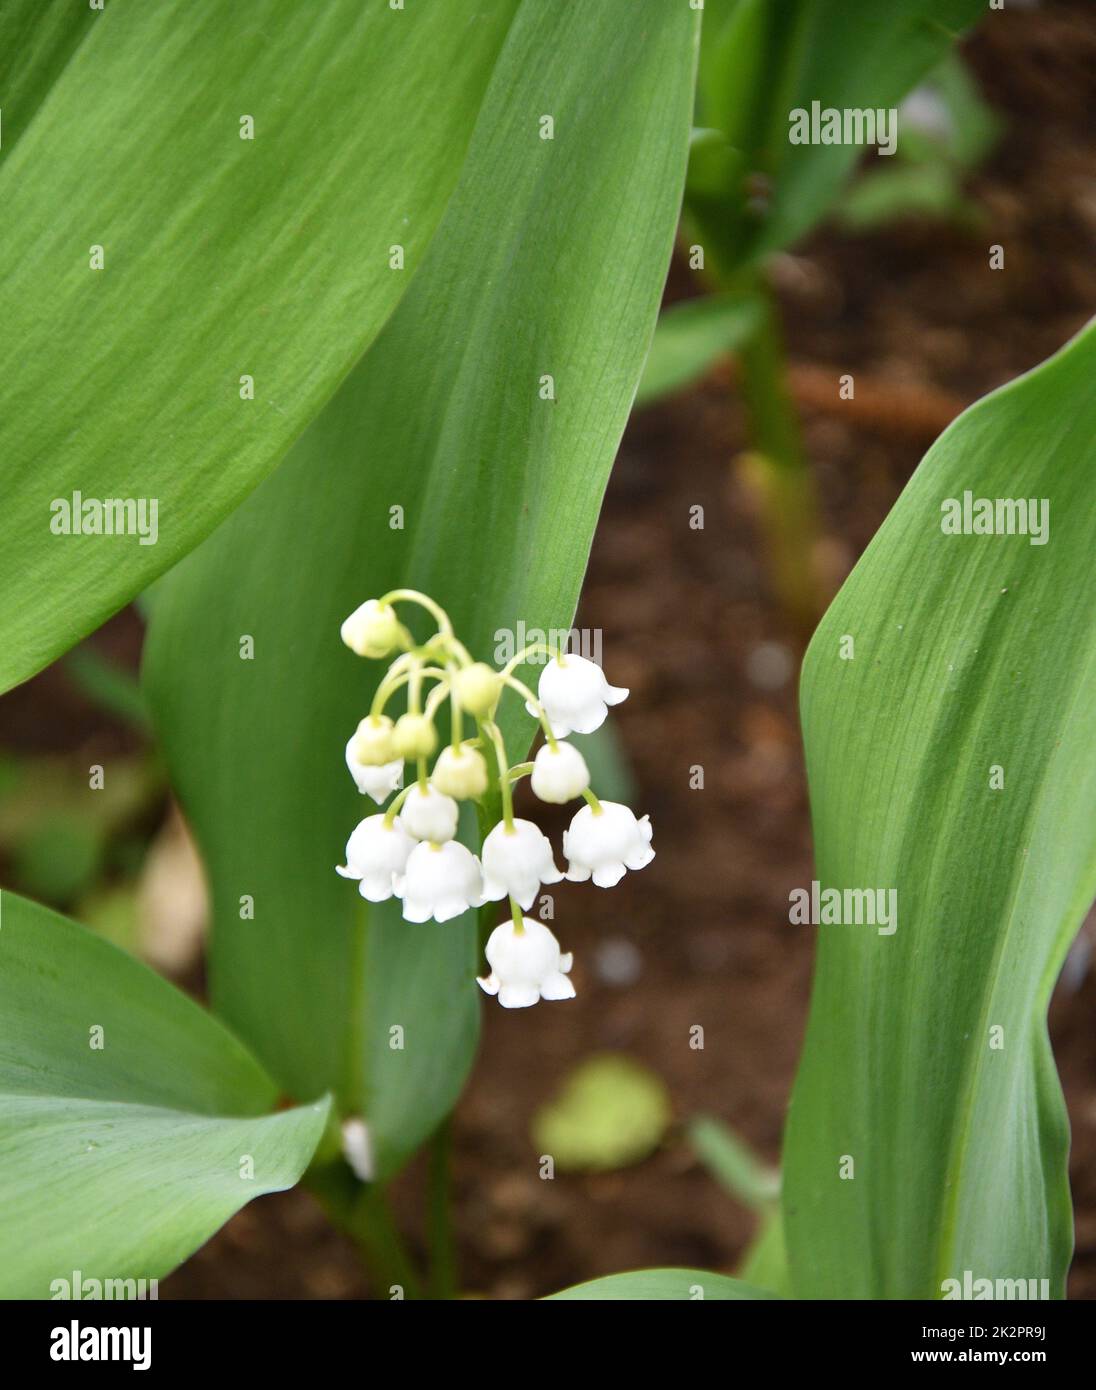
{"x": 410, "y": 850}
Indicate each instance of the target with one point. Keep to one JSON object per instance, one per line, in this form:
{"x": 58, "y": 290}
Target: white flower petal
{"x": 526, "y": 965}
{"x": 428, "y": 815}
{"x": 575, "y": 693}
{"x": 516, "y": 861}
{"x": 440, "y": 881}
{"x": 375, "y": 853}
{"x": 604, "y": 844}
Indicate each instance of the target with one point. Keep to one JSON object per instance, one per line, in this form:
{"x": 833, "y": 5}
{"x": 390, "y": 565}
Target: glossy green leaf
{"x": 691, "y": 337}
{"x": 223, "y": 258}
{"x": 765, "y": 60}
{"x": 663, "y": 1286}
{"x": 974, "y": 665}
{"x": 549, "y": 263}
{"x": 132, "y": 1124}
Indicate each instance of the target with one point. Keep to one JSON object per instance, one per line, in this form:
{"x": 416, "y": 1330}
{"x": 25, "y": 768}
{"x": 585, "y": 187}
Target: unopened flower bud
{"x": 372, "y": 629}
{"x": 414, "y": 736}
{"x": 477, "y": 688}
{"x": 460, "y": 773}
{"x": 560, "y": 773}
{"x": 372, "y": 743}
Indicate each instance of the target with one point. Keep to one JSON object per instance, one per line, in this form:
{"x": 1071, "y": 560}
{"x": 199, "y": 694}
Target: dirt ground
{"x": 692, "y": 627}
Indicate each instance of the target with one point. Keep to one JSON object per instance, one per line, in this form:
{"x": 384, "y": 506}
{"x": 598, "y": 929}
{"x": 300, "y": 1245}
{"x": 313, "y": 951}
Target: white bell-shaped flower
{"x": 575, "y": 693}
{"x": 428, "y": 815}
{"x": 526, "y": 965}
{"x": 440, "y": 881}
{"x": 377, "y": 782}
{"x": 375, "y": 853}
{"x": 517, "y": 859}
{"x": 603, "y": 844}
{"x": 560, "y": 773}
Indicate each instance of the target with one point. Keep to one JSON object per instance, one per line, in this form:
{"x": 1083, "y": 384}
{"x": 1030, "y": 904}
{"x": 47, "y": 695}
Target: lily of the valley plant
{"x": 410, "y": 851}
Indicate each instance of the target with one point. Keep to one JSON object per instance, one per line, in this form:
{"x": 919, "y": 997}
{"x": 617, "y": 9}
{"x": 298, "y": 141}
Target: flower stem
{"x": 443, "y": 1255}
{"x": 515, "y": 913}
{"x": 522, "y": 689}
{"x": 592, "y": 801}
{"x": 540, "y": 648}
{"x": 394, "y": 806}
{"x": 777, "y": 472}
{"x": 494, "y": 733}
{"x": 437, "y": 612}
{"x": 362, "y": 1211}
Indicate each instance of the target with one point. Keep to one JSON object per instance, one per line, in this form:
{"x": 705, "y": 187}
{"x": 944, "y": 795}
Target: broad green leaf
{"x": 37, "y": 39}
{"x": 663, "y": 1286}
{"x": 549, "y": 262}
{"x": 974, "y": 660}
{"x": 132, "y": 1123}
{"x": 611, "y": 1111}
{"x": 222, "y": 258}
{"x": 766, "y": 60}
{"x": 691, "y": 337}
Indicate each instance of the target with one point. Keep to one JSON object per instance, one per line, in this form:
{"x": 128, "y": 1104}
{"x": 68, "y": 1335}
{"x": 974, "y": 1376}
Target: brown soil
{"x": 692, "y": 627}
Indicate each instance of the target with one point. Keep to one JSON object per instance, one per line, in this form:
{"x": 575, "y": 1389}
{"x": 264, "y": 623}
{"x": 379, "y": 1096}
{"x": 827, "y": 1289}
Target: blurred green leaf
{"x": 662, "y": 1286}
{"x": 690, "y": 339}
{"x": 59, "y": 857}
{"x": 946, "y": 130}
{"x": 972, "y": 652}
{"x": 127, "y": 1114}
{"x": 612, "y": 1111}
{"x": 909, "y": 190}
{"x": 223, "y": 258}
{"x": 550, "y": 261}
{"x": 112, "y": 914}
{"x": 765, "y": 60}
{"x": 110, "y": 687}
{"x": 733, "y": 1163}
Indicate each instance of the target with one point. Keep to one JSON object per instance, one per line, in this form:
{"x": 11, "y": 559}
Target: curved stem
{"x": 541, "y": 648}
{"x": 515, "y": 913}
{"x": 523, "y": 689}
{"x": 437, "y": 612}
{"x": 456, "y": 714}
{"x": 394, "y": 806}
{"x": 592, "y": 801}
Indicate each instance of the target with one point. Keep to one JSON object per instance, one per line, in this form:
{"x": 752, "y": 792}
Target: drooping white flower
{"x": 375, "y": 853}
{"x": 560, "y": 773}
{"x": 440, "y": 881}
{"x": 372, "y": 629}
{"x": 526, "y": 965}
{"x": 575, "y": 693}
{"x": 603, "y": 845}
{"x": 428, "y": 815}
{"x": 460, "y": 772}
{"x": 516, "y": 861}
{"x": 377, "y": 782}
